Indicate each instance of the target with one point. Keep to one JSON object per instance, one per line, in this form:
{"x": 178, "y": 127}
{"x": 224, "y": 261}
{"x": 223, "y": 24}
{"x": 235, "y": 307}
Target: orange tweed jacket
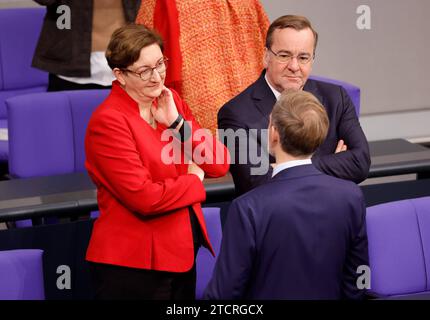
{"x": 221, "y": 44}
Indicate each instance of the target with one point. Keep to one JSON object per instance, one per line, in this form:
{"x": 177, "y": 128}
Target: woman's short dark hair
{"x": 126, "y": 43}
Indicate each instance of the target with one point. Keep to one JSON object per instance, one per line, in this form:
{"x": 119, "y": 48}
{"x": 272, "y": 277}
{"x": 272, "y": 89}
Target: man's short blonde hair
{"x": 301, "y": 121}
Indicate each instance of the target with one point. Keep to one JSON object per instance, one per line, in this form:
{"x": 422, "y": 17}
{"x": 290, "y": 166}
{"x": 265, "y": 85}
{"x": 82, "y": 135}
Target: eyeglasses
{"x": 146, "y": 74}
{"x": 285, "y": 57}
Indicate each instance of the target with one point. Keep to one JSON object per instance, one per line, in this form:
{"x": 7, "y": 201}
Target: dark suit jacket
{"x": 277, "y": 244}
{"x": 251, "y": 110}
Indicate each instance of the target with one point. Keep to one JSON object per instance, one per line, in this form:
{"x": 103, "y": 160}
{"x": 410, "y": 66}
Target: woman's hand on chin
{"x": 165, "y": 112}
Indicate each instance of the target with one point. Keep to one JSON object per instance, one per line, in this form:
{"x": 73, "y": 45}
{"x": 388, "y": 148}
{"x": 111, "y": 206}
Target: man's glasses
{"x": 146, "y": 74}
{"x": 285, "y": 57}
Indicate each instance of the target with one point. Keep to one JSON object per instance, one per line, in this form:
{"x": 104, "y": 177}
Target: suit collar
{"x": 127, "y": 103}
{"x": 289, "y": 164}
{"x": 297, "y": 172}
{"x": 263, "y": 96}
{"x": 311, "y": 86}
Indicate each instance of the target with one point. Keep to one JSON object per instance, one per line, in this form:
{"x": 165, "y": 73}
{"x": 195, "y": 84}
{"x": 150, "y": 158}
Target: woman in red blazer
{"x": 144, "y": 243}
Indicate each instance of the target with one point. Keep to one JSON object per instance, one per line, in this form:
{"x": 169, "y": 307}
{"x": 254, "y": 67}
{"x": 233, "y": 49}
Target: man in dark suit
{"x": 301, "y": 235}
{"x": 290, "y": 51}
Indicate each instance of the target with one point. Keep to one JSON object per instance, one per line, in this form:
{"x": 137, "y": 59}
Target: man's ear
{"x": 273, "y": 139}
{"x": 274, "y": 134}
{"x": 119, "y": 75}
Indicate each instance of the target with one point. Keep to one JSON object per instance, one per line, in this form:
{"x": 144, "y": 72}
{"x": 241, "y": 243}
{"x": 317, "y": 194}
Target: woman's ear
{"x": 119, "y": 75}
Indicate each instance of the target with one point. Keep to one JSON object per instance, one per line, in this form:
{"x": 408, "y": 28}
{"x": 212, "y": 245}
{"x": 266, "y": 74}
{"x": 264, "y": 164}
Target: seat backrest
{"x": 399, "y": 247}
{"x": 21, "y": 275}
{"x": 205, "y": 262}
{"x": 352, "y": 90}
{"x": 47, "y": 131}
{"x": 19, "y": 32}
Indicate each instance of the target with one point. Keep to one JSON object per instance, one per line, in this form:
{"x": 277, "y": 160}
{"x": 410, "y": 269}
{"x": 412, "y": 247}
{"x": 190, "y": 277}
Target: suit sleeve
{"x": 114, "y": 162}
{"x": 247, "y": 173}
{"x": 207, "y": 151}
{"x": 234, "y": 264}
{"x": 357, "y": 256}
{"x": 354, "y": 163}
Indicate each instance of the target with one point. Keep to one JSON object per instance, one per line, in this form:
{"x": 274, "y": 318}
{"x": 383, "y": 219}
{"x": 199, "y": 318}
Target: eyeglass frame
{"x": 312, "y": 57}
{"x": 139, "y": 74}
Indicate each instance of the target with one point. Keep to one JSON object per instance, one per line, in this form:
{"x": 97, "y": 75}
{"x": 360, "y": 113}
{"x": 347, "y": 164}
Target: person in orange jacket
{"x": 145, "y": 241}
{"x": 218, "y": 47}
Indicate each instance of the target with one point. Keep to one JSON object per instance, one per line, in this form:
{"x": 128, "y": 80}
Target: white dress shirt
{"x": 289, "y": 164}
{"x": 101, "y": 73}
{"x": 275, "y": 92}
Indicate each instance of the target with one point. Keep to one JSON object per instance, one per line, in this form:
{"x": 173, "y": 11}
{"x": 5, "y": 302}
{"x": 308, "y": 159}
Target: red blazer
{"x": 144, "y": 220}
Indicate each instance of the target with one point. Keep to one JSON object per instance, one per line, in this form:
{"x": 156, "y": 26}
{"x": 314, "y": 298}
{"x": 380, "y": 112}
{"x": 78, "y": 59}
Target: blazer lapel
{"x": 311, "y": 86}
{"x": 263, "y": 97}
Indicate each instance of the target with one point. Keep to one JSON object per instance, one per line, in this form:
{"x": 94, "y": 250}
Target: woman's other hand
{"x": 195, "y": 169}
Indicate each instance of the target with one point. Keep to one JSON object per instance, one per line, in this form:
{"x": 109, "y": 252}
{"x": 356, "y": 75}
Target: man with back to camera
{"x": 301, "y": 235}
{"x": 289, "y": 55}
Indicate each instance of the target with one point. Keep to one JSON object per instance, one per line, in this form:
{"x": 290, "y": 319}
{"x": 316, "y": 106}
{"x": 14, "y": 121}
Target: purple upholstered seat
{"x": 4, "y": 147}
{"x": 21, "y": 275}
{"x": 399, "y": 248}
{"x": 47, "y": 131}
{"x": 352, "y": 90}
{"x": 205, "y": 262}
{"x": 19, "y": 31}
{"x": 23, "y": 223}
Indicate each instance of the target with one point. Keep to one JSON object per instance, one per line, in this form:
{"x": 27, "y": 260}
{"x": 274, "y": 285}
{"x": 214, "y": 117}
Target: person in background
{"x": 302, "y": 235}
{"x": 144, "y": 244}
{"x": 75, "y": 57}
{"x": 217, "y": 45}
{"x": 288, "y": 59}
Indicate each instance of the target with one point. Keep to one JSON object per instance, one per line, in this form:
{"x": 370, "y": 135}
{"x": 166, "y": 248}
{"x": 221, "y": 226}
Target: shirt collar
{"x": 275, "y": 92}
{"x": 289, "y": 164}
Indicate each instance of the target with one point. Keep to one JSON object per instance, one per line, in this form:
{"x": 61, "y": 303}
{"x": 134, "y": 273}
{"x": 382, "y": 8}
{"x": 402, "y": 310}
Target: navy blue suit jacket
{"x": 251, "y": 110}
{"x": 301, "y": 235}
